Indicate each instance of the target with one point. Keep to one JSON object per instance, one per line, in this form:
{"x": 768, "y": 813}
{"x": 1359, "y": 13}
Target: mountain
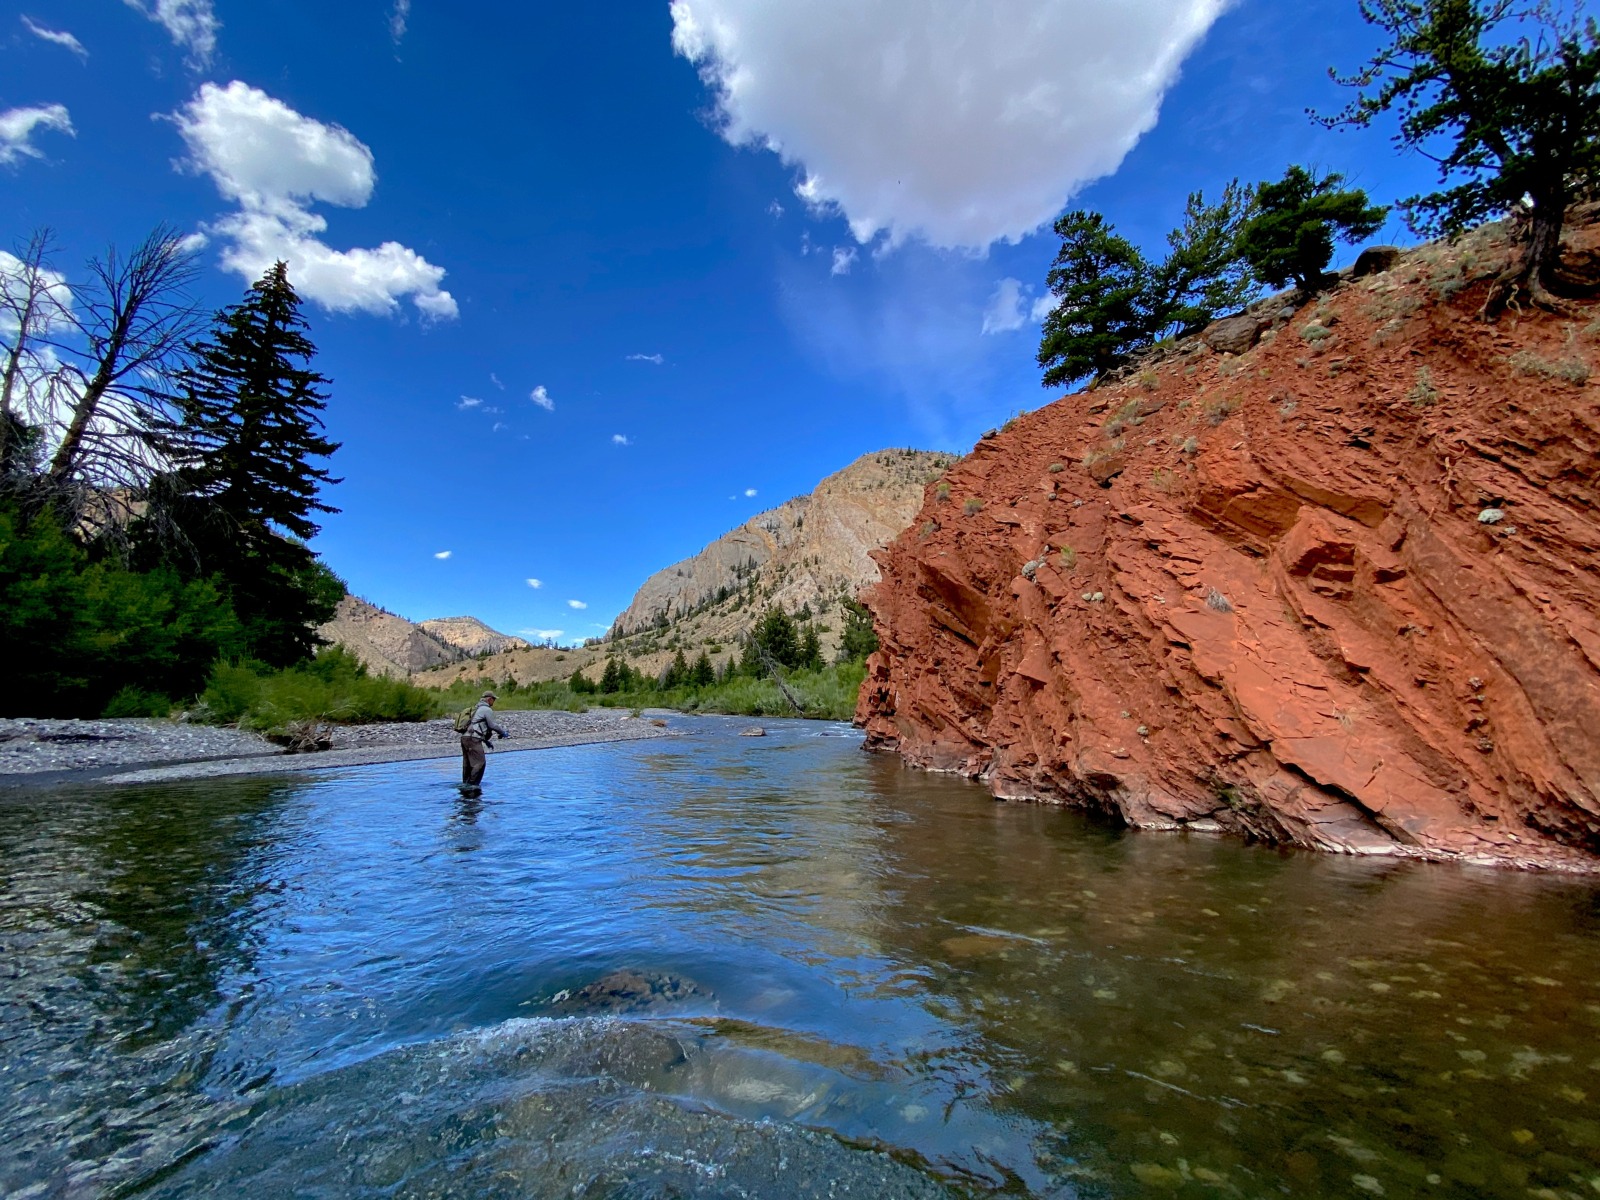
{"x": 1338, "y": 588}
{"x": 804, "y": 554}
{"x": 387, "y": 644}
{"x": 471, "y": 636}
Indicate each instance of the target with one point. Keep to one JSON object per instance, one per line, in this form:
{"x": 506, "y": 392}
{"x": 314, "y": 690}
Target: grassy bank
{"x": 826, "y": 694}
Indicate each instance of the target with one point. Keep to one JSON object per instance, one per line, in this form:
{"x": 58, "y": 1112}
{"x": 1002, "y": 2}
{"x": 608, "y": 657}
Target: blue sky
{"x": 630, "y": 273}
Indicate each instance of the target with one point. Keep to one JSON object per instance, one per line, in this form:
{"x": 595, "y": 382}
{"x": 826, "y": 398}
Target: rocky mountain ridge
{"x": 386, "y": 643}
{"x": 1338, "y": 588}
{"x": 471, "y": 636}
{"x": 803, "y": 554}
{"x": 391, "y": 645}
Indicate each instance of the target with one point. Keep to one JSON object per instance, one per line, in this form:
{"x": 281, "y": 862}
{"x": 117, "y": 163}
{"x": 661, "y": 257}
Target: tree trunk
{"x": 1535, "y": 277}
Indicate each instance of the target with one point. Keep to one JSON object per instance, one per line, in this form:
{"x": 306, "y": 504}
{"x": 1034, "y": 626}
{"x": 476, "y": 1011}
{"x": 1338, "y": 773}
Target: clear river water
{"x": 857, "y": 980}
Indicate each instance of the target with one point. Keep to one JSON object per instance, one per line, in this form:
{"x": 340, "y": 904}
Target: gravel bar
{"x": 36, "y": 750}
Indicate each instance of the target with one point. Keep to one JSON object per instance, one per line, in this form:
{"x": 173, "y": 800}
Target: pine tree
{"x": 1505, "y": 98}
{"x": 702, "y": 674}
{"x": 810, "y": 649}
{"x": 860, "y": 639}
{"x": 248, "y": 495}
{"x": 677, "y": 674}
{"x": 614, "y": 677}
{"x": 1289, "y": 238}
{"x": 778, "y": 638}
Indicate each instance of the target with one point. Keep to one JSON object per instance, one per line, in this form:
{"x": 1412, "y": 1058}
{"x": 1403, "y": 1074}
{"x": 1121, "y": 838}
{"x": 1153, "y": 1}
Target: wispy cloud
{"x": 59, "y": 37}
{"x": 536, "y": 584}
{"x": 542, "y": 398}
{"x": 1010, "y": 307}
{"x": 774, "y": 210}
{"x": 844, "y": 257}
{"x": 495, "y": 379}
{"x": 649, "y": 358}
{"x": 469, "y": 402}
{"x": 18, "y": 124}
{"x": 578, "y": 604}
{"x": 498, "y": 426}
{"x": 192, "y": 24}
{"x": 542, "y": 635}
{"x": 399, "y": 15}
{"x": 444, "y": 554}
{"x": 621, "y": 439}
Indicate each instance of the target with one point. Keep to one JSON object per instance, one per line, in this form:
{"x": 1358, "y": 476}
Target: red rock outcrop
{"x": 1341, "y": 591}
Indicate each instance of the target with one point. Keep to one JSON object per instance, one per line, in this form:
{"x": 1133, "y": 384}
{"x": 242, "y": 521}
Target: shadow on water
{"x": 361, "y": 985}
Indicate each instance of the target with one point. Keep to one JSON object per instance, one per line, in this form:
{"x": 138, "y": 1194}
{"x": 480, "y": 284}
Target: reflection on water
{"x": 342, "y": 986}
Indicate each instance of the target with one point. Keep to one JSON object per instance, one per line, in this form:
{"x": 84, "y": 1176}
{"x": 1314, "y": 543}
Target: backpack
{"x": 463, "y": 722}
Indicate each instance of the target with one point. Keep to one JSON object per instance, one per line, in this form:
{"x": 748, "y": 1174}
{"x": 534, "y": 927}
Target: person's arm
{"x": 496, "y": 726}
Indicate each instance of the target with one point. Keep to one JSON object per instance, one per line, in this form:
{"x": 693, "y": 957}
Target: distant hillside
{"x": 472, "y": 636}
{"x": 387, "y": 644}
{"x": 803, "y": 554}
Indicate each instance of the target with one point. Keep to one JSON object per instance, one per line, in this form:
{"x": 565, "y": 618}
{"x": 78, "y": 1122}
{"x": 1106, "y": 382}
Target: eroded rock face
{"x": 1283, "y": 614}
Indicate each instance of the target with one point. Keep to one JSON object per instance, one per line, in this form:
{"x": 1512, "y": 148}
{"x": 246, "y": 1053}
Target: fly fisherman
{"x": 479, "y": 735}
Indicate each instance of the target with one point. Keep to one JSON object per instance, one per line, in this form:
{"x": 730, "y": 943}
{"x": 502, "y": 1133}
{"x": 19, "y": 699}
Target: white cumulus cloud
{"x": 750, "y": 492}
{"x": 274, "y": 164}
{"x": 443, "y": 554}
{"x": 18, "y": 125}
{"x": 536, "y": 584}
{"x": 621, "y": 439}
{"x": 542, "y": 635}
{"x": 957, "y": 122}
{"x": 579, "y": 604}
{"x": 59, "y": 37}
{"x": 191, "y": 24}
{"x": 541, "y": 397}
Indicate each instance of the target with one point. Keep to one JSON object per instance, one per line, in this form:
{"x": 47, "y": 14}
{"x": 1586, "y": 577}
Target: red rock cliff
{"x": 1341, "y": 590}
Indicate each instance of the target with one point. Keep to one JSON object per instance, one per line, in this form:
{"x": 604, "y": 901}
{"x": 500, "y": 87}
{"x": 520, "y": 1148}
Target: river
{"x": 868, "y": 982}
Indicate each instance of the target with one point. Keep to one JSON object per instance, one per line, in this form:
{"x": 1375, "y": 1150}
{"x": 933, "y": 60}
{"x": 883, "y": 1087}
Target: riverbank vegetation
{"x": 332, "y": 686}
{"x": 780, "y": 659}
{"x": 160, "y": 475}
{"x": 826, "y": 693}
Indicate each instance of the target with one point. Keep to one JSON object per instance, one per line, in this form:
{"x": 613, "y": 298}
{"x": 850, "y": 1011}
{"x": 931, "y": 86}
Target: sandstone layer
{"x": 1341, "y": 590}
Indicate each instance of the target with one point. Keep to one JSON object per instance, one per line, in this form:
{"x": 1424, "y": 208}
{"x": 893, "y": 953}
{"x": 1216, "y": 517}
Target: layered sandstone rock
{"x": 1341, "y": 591}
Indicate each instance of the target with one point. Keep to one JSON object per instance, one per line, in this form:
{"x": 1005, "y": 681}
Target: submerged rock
{"x": 628, "y": 991}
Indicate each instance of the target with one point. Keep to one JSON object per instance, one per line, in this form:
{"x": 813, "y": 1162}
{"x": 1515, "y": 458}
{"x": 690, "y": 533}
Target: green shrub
{"x": 132, "y": 701}
{"x": 333, "y": 686}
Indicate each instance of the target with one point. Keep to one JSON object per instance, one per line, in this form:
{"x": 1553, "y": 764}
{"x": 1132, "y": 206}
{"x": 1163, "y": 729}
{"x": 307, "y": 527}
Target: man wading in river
{"x": 479, "y": 734}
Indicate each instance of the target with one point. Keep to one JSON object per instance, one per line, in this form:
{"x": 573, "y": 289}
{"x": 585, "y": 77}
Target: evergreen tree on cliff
{"x": 1505, "y": 96}
{"x": 248, "y": 495}
{"x": 1289, "y": 237}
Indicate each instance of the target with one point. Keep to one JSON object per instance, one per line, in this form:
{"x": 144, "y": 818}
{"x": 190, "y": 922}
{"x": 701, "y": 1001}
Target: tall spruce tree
{"x": 249, "y": 493}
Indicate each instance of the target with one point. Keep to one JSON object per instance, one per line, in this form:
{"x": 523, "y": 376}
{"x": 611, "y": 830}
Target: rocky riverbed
{"x": 136, "y": 750}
